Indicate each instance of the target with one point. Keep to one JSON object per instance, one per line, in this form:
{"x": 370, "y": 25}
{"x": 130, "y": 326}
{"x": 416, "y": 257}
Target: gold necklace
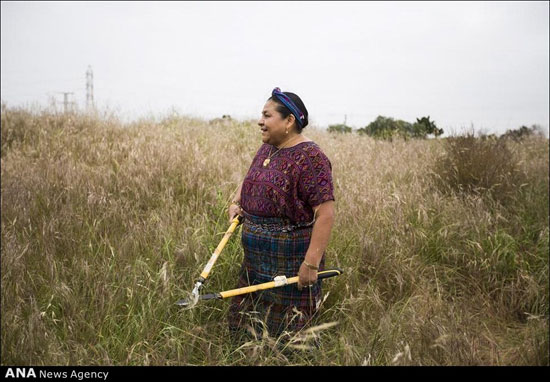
{"x": 268, "y": 159}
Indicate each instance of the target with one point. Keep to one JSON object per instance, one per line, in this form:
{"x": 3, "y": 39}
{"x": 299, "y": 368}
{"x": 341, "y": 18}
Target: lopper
{"x": 278, "y": 281}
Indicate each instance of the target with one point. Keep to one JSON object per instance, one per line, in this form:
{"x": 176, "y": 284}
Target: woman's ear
{"x": 290, "y": 120}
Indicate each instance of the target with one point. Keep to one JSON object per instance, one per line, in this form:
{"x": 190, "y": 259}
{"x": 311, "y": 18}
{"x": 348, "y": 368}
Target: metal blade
{"x": 189, "y": 302}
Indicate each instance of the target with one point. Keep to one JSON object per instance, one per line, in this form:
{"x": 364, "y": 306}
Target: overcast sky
{"x": 484, "y": 64}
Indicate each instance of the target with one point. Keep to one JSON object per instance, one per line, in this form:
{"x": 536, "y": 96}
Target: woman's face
{"x": 272, "y": 124}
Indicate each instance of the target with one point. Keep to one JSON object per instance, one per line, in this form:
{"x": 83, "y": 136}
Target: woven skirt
{"x": 274, "y": 247}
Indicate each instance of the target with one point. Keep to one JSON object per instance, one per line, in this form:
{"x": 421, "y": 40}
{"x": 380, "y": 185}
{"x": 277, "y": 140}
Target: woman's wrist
{"x": 310, "y": 266}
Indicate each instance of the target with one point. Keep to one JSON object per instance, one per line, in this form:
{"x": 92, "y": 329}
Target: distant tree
{"x": 339, "y": 128}
{"x": 362, "y": 131}
{"x": 387, "y": 128}
{"x": 522, "y": 132}
{"x": 423, "y": 127}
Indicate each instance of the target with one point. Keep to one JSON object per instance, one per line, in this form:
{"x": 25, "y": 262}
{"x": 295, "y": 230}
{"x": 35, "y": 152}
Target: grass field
{"x": 106, "y": 224}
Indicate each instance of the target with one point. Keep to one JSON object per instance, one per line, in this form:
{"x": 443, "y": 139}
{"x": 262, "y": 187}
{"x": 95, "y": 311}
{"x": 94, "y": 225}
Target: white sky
{"x": 484, "y": 64}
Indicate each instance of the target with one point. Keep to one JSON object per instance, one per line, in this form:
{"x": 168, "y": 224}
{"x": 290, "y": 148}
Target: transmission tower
{"x": 89, "y": 89}
{"x": 68, "y": 106}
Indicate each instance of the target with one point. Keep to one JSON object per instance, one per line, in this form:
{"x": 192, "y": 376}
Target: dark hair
{"x": 285, "y": 112}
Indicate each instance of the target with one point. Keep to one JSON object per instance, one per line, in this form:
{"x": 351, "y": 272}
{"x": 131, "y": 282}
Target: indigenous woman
{"x": 287, "y": 203}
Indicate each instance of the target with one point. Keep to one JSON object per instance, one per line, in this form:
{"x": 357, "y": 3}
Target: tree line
{"x": 388, "y": 128}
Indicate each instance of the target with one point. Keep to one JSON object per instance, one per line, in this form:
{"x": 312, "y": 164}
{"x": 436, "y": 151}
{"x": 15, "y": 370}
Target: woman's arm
{"x": 235, "y": 206}
{"x": 320, "y": 237}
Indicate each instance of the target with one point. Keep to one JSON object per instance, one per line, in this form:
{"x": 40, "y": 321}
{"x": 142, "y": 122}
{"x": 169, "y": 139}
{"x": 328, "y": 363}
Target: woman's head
{"x": 283, "y": 116}
{"x": 290, "y": 105}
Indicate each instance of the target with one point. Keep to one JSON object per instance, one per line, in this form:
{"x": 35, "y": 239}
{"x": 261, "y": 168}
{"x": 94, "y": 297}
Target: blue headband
{"x": 290, "y": 105}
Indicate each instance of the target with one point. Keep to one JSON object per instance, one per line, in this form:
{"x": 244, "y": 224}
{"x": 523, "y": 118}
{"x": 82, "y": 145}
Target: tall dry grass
{"x": 106, "y": 224}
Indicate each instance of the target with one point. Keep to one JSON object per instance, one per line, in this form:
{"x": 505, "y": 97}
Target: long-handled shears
{"x": 278, "y": 281}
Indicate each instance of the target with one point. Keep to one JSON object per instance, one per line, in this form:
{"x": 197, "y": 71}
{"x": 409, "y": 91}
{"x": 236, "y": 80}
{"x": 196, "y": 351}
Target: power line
{"x": 33, "y": 82}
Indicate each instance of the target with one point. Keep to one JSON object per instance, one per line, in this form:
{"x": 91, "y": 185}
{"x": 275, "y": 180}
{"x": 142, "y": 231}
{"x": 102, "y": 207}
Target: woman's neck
{"x": 290, "y": 141}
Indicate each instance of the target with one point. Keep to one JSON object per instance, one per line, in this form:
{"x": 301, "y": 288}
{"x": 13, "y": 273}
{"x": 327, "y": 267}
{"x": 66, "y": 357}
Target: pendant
{"x": 266, "y": 162}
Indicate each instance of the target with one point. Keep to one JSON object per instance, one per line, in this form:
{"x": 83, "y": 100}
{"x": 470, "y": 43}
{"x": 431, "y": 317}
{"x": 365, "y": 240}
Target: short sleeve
{"x": 315, "y": 185}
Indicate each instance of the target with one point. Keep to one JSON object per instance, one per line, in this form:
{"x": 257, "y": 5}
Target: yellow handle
{"x": 272, "y": 284}
{"x": 255, "y": 288}
{"x": 234, "y": 223}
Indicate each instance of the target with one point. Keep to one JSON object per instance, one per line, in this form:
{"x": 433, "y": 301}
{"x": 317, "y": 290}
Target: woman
{"x": 287, "y": 201}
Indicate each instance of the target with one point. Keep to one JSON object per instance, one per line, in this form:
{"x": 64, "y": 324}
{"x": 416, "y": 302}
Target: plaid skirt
{"x": 273, "y": 247}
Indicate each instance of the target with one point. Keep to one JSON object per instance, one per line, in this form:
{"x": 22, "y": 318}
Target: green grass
{"x": 105, "y": 225}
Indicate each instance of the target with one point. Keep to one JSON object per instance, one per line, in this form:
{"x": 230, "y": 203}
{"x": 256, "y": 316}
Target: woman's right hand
{"x": 234, "y": 210}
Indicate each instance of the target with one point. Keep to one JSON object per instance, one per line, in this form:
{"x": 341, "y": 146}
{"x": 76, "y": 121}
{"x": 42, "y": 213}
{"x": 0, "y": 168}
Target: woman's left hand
{"x": 306, "y": 277}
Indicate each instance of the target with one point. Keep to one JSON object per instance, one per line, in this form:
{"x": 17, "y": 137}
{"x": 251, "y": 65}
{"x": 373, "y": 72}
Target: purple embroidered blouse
{"x": 297, "y": 179}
